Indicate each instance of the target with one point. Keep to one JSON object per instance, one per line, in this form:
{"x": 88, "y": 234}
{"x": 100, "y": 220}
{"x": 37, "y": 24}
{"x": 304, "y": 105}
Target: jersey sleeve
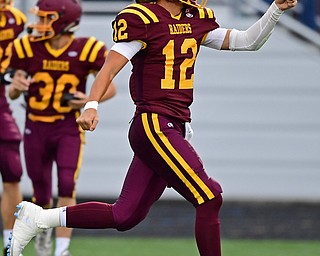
{"x": 132, "y": 22}
{"x": 20, "y": 50}
{"x": 19, "y": 15}
{"x": 20, "y": 19}
{"x": 4, "y": 64}
{"x": 207, "y": 16}
{"x": 93, "y": 53}
{"x": 206, "y": 19}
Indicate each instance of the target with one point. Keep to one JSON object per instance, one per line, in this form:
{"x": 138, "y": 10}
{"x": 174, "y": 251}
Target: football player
{"x": 51, "y": 69}
{"x": 12, "y": 22}
{"x": 161, "y": 39}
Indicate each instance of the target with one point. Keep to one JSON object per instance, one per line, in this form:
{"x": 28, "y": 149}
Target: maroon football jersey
{"x": 12, "y": 23}
{"x": 56, "y": 72}
{"x": 163, "y": 71}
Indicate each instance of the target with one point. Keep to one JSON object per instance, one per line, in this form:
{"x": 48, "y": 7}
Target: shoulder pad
{"x": 203, "y": 13}
{"x": 19, "y": 16}
{"x": 132, "y": 23}
{"x": 140, "y": 11}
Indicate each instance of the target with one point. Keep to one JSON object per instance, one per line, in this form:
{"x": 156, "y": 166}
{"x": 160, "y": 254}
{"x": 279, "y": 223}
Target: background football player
{"x": 162, "y": 40}
{"x": 52, "y": 67}
{"x": 12, "y": 23}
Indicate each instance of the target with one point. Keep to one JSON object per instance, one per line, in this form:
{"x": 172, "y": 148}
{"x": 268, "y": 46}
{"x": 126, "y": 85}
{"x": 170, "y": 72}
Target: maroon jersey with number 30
{"x": 163, "y": 71}
{"x": 56, "y": 72}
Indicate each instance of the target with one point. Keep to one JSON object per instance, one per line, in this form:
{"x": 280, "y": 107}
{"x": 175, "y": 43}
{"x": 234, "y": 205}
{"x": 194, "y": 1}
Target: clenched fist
{"x": 286, "y": 4}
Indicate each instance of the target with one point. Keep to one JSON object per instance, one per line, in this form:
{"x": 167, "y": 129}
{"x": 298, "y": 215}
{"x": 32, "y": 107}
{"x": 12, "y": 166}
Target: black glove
{"x": 7, "y": 76}
{"x": 66, "y": 97}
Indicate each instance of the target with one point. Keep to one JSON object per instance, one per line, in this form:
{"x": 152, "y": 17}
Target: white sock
{"x": 62, "y": 244}
{"x": 63, "y": 216}
{"x": 6, "y": 235}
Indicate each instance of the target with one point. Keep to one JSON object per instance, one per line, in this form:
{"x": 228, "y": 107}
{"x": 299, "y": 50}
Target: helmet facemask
{"x": 42, "y": 29}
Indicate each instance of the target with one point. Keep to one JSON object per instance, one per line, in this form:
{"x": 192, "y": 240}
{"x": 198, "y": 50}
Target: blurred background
{"x": 256, "y": 119}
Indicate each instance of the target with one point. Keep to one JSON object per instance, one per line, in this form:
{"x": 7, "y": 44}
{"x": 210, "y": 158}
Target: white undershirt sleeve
{"x": 127, "y": 49}
{"x": 215, "y": 38}
{"x": 254, "y": 37}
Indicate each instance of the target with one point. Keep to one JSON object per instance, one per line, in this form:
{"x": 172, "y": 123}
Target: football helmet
{"x": 5, "y": 3}
{"x": 54, "y": 17}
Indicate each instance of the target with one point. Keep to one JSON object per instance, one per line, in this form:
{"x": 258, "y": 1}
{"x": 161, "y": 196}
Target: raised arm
{"x": 254, "y": 37}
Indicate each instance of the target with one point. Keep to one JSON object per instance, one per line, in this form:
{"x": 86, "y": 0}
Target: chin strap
{"x": 194, "y": 3}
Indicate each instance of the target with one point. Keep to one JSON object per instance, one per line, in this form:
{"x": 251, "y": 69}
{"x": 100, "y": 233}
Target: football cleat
{"x": 26, "y": 226}
{"x": 6, "y": 252}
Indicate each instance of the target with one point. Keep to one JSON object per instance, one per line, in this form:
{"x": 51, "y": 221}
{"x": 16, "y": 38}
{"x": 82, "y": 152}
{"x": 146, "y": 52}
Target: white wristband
{"x": 91, "y": 104}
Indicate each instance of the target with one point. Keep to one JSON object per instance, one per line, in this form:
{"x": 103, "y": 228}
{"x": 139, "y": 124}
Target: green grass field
{"x": 124, "y": 246}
